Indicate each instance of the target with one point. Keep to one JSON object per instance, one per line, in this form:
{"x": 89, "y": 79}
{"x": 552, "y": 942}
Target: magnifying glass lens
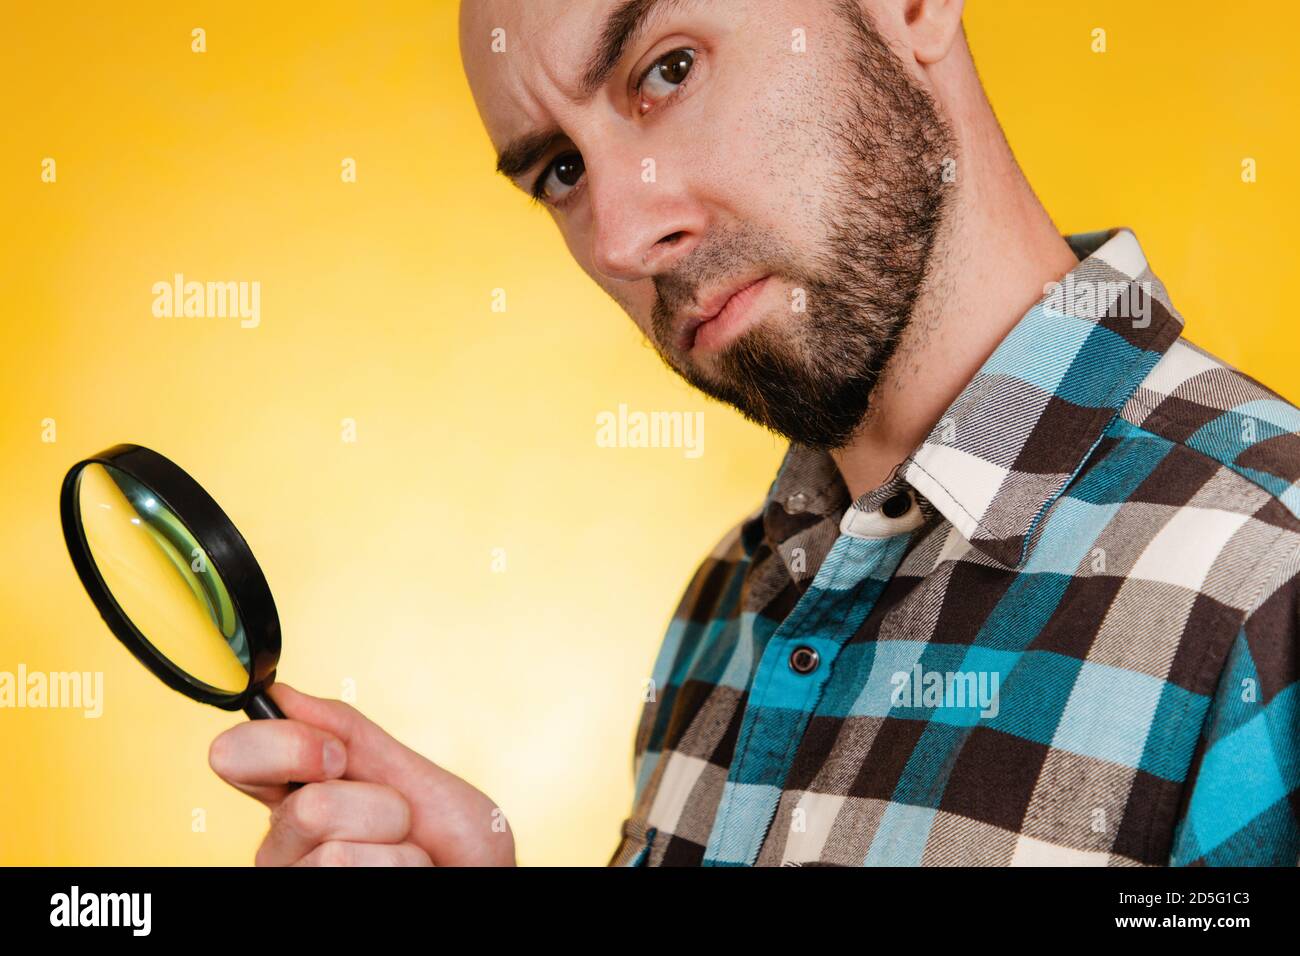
{"x": 162, "y": 579}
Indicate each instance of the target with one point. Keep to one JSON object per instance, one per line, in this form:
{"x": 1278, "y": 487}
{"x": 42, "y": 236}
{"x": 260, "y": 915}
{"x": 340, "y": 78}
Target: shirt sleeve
{"x": 1242, "y": 802}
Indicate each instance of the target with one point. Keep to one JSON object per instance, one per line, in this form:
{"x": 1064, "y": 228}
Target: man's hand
{"x": 367, "y": 800}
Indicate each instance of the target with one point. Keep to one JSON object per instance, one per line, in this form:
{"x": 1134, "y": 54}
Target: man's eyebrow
{"x": 524, "y": 153}
{"x": 623, "y": 25}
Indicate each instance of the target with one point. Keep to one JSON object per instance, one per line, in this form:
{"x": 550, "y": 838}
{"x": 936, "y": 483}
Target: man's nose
{"x": 642, "y": 222}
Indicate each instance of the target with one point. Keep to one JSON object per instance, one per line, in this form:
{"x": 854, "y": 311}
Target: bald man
{"x": 1024, "y": 589}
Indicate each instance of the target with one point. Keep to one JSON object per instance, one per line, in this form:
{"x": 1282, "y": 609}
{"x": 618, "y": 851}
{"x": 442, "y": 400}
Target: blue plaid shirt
{"x": 1063, "y": 631}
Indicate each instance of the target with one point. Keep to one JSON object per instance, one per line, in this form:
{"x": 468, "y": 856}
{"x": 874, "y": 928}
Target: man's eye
{"x": 664, "y": 76}
{"x": 560, "y": 177}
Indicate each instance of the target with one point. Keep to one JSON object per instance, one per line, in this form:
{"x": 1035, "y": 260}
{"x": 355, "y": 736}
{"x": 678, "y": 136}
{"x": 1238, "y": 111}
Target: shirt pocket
{"x": 634, "y": 847}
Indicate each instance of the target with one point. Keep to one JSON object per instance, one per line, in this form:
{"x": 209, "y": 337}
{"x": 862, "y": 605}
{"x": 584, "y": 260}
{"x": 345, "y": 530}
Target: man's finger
{"x": 340, "y": 853}
{"x": 334, "y": 811}
{"x": 260, "y": 757}
{"x": 373, "y": 754}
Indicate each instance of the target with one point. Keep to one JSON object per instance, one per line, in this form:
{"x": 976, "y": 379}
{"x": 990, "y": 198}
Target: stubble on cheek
{"x": 763, "y": 164}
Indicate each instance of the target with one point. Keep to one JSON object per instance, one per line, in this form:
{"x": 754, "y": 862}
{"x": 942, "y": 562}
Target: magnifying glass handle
{"x": 261, "y": 707}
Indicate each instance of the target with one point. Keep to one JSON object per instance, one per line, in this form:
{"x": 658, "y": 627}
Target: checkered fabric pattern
{"x": 1062, "y": 632}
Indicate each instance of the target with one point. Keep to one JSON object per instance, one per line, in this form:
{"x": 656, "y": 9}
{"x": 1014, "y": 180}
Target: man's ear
{"x": 932, "y": 27}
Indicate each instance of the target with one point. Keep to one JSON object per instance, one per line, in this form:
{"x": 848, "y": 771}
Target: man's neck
{"x": 996, "y": 251}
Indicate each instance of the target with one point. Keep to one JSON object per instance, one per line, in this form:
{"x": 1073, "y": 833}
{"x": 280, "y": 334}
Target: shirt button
{"x": 804, "y": 659}
{"x": 898, "y": 505}
{"x": 796, "y": 503}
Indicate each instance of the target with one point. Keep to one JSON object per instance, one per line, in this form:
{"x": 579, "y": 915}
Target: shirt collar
{"x": 1025, "y": 424}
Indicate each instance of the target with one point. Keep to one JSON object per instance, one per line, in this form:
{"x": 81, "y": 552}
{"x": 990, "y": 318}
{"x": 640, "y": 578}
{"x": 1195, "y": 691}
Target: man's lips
{"x": 721, "y": 303}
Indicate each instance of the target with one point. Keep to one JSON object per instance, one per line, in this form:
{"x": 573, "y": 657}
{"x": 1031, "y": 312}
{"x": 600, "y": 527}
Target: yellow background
{"x": 475, "y": 429}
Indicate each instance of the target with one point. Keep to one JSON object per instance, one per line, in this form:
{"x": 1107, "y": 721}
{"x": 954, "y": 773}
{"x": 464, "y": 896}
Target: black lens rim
{"x": 227, "y": 552}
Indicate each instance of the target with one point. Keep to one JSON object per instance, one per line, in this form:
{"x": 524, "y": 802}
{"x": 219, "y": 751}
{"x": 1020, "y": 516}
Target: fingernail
{"x": 334, "y": 758}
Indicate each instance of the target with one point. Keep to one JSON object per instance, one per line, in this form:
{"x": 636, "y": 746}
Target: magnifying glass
{"x": 173, "y": 578}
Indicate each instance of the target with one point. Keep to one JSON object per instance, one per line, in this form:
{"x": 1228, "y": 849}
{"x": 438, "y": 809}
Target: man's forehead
{"x": 509, "y": 47}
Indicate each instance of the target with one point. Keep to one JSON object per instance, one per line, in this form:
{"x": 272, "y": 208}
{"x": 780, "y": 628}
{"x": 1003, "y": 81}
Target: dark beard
{"x": 813, "y": 382}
